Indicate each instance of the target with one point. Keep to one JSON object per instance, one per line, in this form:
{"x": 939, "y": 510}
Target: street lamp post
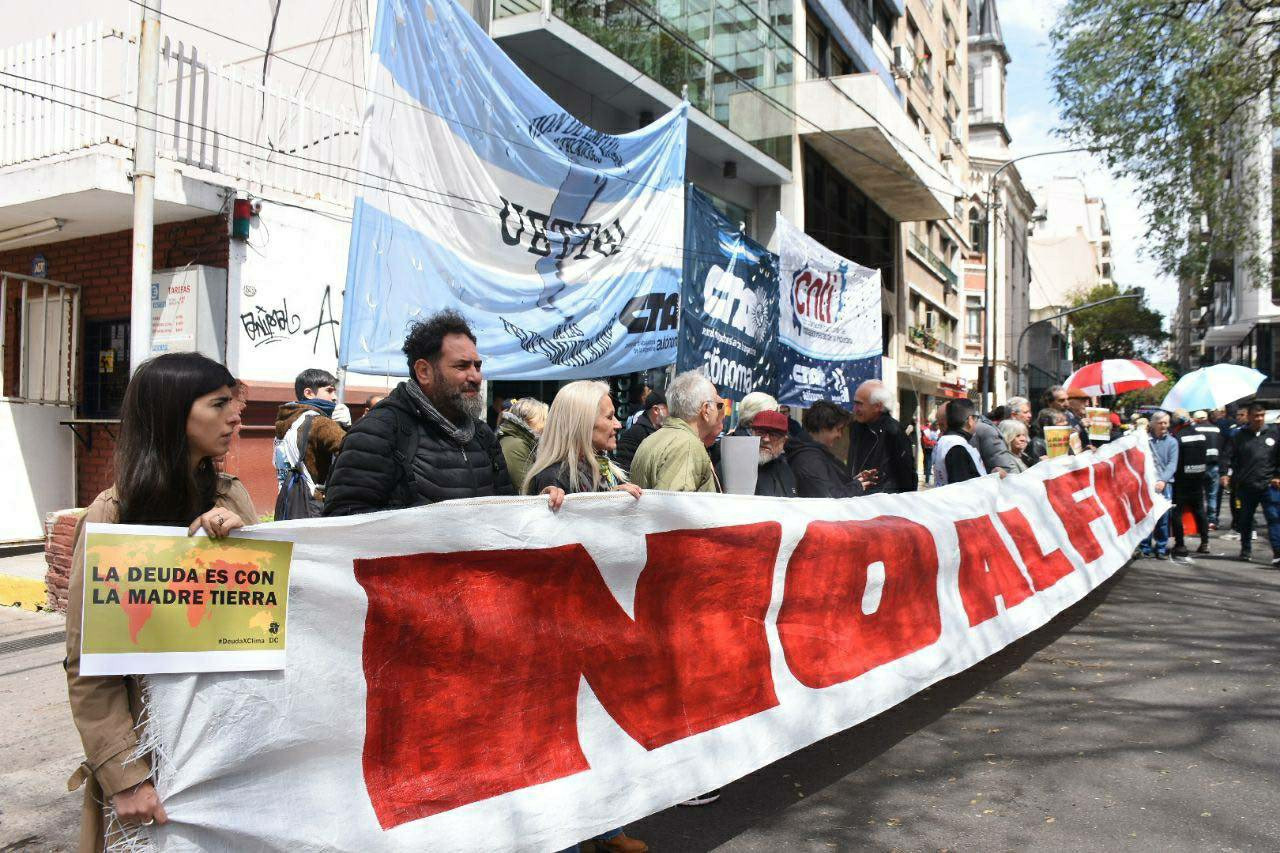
{"x": 987, "y": 374}
{"x": 1023, "y": 381}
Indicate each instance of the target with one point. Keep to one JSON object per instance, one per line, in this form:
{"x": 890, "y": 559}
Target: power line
{"x": 688, "y": 42}
{"x": 679, "y": 36}
{"x": 489, "y": 209}
{"x": 796, "y": 50}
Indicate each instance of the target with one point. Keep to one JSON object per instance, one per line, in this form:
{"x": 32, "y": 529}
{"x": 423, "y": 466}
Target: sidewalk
{"x": 39, "y": 746}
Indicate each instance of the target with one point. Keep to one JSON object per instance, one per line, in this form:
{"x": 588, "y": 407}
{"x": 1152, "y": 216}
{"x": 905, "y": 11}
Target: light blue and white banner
{"x": 828, "y": 321}
{"x": 561, "y": 245}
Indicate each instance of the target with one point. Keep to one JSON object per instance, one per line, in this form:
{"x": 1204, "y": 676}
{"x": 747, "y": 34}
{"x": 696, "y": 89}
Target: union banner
{"x": 490, "y": 675}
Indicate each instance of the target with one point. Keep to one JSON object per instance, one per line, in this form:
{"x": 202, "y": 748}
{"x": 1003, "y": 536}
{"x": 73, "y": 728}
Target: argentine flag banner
{"x": 561, "y": 245}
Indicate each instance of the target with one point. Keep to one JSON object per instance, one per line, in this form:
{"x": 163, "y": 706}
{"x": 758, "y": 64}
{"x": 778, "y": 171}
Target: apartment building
{"x": 1231, "y": 314}
{"x": 1000, "y": 209}
{"x": 818, "y": 109}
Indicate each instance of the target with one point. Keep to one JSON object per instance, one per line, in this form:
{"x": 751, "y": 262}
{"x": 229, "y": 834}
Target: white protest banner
{"x": 489, "y": 675}
{"x": 828, "y": 321}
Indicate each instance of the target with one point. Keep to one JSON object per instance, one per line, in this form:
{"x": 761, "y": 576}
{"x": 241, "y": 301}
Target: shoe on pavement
{"x": 1247, "y": 556}
{"x": 1162, "y": 555}
{"x": 703, "y": 799}
{"x": 1180, "y": 551}
{"x": 620, "y": 843}
{"x": 1146, "y": 552}
{"x": 1213, "y": 525}
{"x": 1275, "y": 562}
{"x": 1204, "y": 548}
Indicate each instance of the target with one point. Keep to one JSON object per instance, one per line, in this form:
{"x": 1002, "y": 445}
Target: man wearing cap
{"x": 1212, "y": 452}
{"x": 1077, "y": 402}
{"x": 775, "y": 478}
{"x": 1189, "y": 482}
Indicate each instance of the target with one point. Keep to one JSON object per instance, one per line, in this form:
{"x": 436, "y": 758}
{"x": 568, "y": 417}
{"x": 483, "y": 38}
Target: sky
{"x": 1032, "y": 118}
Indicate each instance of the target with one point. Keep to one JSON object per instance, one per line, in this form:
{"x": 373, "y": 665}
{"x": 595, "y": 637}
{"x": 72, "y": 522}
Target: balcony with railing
{"x": 709, "y": 54}
{"x": 930, "y": 259}
{"x": 928, "y": 339}
{"x": 75, "y": 91}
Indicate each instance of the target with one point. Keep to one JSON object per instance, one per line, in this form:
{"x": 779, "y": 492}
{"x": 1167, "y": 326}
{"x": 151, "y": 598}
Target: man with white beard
{"x": 775, "y": 478}
{"x": 427, "y": 441}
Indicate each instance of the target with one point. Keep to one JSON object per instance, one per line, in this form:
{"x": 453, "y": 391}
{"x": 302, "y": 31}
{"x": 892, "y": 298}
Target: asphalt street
{"x": 1143, "y": 718}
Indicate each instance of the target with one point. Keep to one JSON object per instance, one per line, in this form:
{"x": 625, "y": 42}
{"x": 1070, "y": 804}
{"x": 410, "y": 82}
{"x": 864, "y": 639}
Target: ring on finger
{"x": 149, "y": 821}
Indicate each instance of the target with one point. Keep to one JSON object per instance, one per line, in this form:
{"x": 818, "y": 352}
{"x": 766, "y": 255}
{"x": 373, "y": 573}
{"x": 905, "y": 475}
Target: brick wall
{"x": 59, "y": 542}
{"x": 101, "y": 265}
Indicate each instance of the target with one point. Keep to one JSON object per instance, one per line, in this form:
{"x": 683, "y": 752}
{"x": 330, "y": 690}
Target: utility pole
{"x": 144, "y": 184}
{"x": 989, "y": 355}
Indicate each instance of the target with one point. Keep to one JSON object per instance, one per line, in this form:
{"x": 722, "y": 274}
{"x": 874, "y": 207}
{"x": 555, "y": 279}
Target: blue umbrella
{"x": 1213, "y": 387}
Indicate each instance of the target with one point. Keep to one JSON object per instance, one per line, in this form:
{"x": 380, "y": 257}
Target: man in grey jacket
{"x": 992, "y": 448}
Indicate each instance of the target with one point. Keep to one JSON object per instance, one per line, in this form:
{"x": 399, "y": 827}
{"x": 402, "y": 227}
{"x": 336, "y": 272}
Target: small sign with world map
{"x": 157, "y": 600}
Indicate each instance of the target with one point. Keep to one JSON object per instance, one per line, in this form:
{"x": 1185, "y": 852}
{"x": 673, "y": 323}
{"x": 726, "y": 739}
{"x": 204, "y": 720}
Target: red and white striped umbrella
{"x": 1114, "y": 376}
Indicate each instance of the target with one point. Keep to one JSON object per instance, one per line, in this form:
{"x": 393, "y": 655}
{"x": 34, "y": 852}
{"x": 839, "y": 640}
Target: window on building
{"x": 106, "y": 367}
{"x": 975, "y": 87}
{"x": 977, "y": 230}
{"x": 973, "y": 319}
{"x": 842, "y": 218}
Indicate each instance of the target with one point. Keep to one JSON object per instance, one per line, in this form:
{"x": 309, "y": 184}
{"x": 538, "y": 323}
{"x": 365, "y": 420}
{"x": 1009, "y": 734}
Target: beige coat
{"x": 106, "y": 709}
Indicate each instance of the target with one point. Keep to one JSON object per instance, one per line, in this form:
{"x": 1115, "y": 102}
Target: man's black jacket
{"x": 818, "y": 473}
{"x": 395, "y": 458}
{"x": 630, "y": 440}
{"x": 883, "y": 445}
{"x": 1252, "y": 458}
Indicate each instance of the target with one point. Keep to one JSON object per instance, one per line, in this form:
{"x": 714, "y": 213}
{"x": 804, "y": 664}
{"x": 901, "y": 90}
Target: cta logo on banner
{"x": 561, "y": 245}
{"x": 829, "y": 321}
{"x": 729, "y": 304}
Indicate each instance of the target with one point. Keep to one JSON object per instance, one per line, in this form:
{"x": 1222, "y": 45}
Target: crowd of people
{"x": 427, "y": 441}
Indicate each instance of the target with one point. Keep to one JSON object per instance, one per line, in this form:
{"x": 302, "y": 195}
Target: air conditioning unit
{"x": 951, "y": 57}
{"x": 947, "y": 152}
{"x": 903, "y": 64}
{"x": 954, "y": 127}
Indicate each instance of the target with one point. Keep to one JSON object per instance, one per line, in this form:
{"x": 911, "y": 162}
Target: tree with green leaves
{"x": 1128, "y": 328}
{"x": 1177, "y": 95}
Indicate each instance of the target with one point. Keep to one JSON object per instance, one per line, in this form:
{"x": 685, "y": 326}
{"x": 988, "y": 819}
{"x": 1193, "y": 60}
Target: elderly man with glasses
{"x": 675, "y": 457}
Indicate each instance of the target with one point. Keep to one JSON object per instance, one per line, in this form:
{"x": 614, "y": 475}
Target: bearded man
{"x": 775, "y": 478}
{"x": 427, "y": 441}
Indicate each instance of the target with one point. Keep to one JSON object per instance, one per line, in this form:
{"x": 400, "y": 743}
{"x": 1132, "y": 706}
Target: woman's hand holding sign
{"x": 217, "y": 522}
{"x": 139, "y": 804}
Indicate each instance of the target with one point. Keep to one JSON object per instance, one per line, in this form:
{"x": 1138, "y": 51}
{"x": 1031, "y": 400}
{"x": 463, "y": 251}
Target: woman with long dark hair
{"x": 180, "y": 413}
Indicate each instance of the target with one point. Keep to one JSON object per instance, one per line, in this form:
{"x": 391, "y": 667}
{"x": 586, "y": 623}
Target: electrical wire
{"x": 488, "y": 208}
{"x": 676, "y": 34}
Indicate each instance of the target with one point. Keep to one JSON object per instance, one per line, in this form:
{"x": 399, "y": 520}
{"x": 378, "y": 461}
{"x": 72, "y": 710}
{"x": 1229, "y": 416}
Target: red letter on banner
{"x": 987, "y": 569}
{"x": 1076, "y": 514}
{"x": 1121, "y": 493}
{"x": 1045, "y": 569}
{"x": 1138, "y": 465}
{"x": 472, "y": 660}
{"x": 826, "y": 636}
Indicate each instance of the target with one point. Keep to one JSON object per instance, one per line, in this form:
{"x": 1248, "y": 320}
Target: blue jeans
{"x": 1250, "y": 499}
{"x": 1158, "y": 541}
{"x": 1213, "y": 494}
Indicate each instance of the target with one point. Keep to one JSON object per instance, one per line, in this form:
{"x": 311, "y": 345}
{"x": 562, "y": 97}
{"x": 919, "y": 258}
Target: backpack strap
{"x": 404, "y": 449}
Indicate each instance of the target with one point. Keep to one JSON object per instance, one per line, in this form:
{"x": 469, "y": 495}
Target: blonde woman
{"x": 518, "y": 431}
{"x": 581, "y": 429}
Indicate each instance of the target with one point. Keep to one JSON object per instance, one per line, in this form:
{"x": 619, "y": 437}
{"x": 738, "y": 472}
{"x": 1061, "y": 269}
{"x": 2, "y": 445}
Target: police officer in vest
{"x": 1212, "y": 451}
{"x": 1189, "y": 483}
